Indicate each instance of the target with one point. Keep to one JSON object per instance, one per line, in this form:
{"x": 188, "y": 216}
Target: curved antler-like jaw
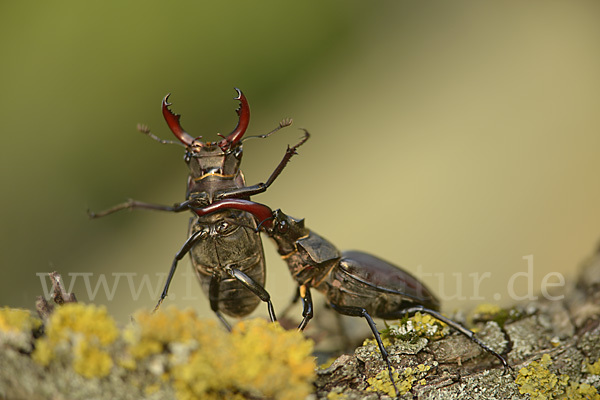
{"x": 243, "y": 113}
{"x": 173, "y": 122}
{"x": 262, "y": 213}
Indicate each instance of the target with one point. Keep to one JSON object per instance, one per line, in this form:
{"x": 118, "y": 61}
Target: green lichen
{"x": 540, "y": 383}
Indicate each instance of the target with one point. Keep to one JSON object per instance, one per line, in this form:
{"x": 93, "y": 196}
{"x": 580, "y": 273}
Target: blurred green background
{"x": 452, "y": 138}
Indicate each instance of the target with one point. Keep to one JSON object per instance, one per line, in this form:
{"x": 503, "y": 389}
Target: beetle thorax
{"x": 210, "y": 159}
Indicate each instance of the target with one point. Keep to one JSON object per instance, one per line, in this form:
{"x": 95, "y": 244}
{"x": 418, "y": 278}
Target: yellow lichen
{"x": 43, "y": 353}
{"x": 542, "y": 384}
{"x": 16, "y": 328}
{"x": 593, "y": 368}
{"x": 336, "y": 394}
{"x": 382, "y": 383}
{"x": 257, "y": 359}
{"x": 384, "y": 339}
{"x": 87, "y": 320}
{"x": 404, "y": 382}
{"x": 327, "y": 363}
{"x": 127, "y": 362}
{"x": 90, "y": 361}
{"x": 487, "y": 309}
{"x": 153, "y": 332}
{"x": 151, "y": 389}
{"x": 198, "y": 358}
{"x": 419, "y": 325}
{"x": 89, "y": 329}
{"x": 17, "y": 320}
{"x": 581, "y": 391}
{"x": 539, "y": 382}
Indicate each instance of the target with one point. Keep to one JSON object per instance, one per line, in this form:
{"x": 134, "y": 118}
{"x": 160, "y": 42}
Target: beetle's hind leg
{"x": 254, "y": 287}
{"x": 213, "y": 298}
{"x": 455, "y": 325}
{"x": 361, "y": 312}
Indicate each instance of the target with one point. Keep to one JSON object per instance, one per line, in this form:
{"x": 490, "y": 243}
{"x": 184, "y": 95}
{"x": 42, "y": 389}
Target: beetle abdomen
{"x": 229, "y": 245}
{"x": 383, "y": 289}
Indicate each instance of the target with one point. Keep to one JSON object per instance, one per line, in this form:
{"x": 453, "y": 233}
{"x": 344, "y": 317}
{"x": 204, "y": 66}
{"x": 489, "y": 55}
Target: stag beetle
{"x": 224, "y": 245}
{"x": 354, "y": 283}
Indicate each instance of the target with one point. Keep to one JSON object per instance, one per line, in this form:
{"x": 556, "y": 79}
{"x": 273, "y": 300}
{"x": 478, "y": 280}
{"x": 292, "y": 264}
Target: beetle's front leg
{"x": 134, "y": 204}
{"x": 254, "y": 287}
{"x": 307, "y": 306}
{"x": 302, "y": 292}
{"x": 262, "y": 187}
{"x": 180, "y": 254}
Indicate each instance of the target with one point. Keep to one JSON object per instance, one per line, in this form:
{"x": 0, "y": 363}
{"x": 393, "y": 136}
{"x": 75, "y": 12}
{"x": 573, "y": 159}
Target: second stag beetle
{"x": 224, "y": 244}
{"x": 354, "y": 283}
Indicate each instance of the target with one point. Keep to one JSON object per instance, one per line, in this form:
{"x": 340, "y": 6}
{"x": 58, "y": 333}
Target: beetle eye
{"x": 283, "y": 227}
{"x": 224, "y": 227}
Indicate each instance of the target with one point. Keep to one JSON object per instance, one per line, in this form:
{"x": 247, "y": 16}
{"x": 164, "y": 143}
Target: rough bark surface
{"x": 568, "y": 331}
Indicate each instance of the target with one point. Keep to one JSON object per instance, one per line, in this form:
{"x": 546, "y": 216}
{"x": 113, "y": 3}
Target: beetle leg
{"x": 213, "y": 297}
{"x": 361, "y": 312}
{"x": 180, "y": 254}
{"x": 307, "y": 306}
{"x": 289, "y": 153}
{"x": 455, "y": 325}
{"x": 254, "y": 287}
{"x": 134, "y": 204}
{"x": 262, "y": 187}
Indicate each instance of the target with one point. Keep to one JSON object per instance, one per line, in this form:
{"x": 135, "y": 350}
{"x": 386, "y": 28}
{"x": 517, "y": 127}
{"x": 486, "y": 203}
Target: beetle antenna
{"x": 262, "y": 222}
{"x": 282, "y": 124}
{"x": 146, "y": 131}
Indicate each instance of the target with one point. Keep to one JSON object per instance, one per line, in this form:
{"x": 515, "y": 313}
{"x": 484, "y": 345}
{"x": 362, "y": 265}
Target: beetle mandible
{"x": 225, "y": 248}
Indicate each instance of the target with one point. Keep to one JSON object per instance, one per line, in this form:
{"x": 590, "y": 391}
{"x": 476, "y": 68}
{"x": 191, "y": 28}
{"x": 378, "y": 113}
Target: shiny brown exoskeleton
{"x": 354, "y": 283}
{"x": 225, "y": 248}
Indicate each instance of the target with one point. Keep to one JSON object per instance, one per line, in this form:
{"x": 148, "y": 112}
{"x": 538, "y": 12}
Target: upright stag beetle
{"x": 354, "y": 283}
{"x": 224, "y": 244}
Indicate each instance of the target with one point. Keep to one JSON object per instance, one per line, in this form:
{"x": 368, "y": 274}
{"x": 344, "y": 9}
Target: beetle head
{"x": 211, "y": 158}
{"x": 286, "y": 230}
